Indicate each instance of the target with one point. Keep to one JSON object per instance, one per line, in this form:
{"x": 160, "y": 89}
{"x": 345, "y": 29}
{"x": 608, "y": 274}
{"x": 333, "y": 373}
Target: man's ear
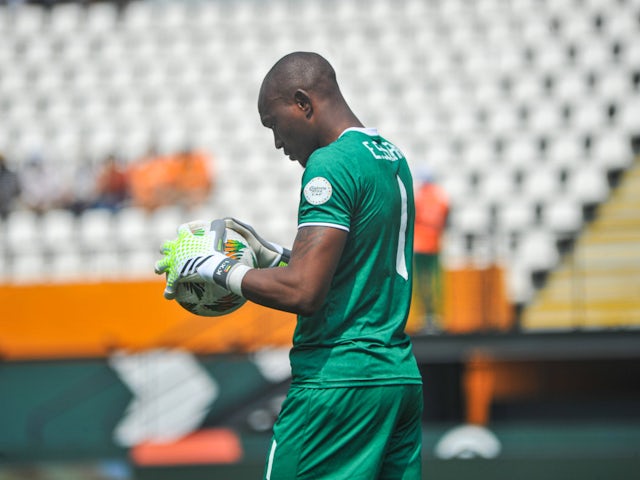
{"x": 303, "y": 101}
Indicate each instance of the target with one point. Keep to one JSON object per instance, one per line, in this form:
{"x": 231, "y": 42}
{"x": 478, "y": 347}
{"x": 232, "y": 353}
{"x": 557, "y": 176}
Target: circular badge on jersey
{"x": 317, "y": 191}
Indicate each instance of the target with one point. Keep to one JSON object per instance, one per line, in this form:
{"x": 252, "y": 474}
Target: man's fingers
{"x": 170, "y": 288}
{"x": 162, "y": 265}
{"x": 167, "y": 246}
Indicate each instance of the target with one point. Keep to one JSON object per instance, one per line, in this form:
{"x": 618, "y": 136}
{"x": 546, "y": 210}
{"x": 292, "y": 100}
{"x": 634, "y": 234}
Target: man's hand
{"x": 268, "y": 254}
{"x": 198, "y": 255}
{"x": 181, "y": 257}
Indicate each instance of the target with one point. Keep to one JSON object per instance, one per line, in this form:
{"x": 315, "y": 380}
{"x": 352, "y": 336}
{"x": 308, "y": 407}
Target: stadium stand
{"x": 523, "y": 110}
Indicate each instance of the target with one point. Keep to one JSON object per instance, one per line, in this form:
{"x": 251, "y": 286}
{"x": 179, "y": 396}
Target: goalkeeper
{"x": 353, "y": 410}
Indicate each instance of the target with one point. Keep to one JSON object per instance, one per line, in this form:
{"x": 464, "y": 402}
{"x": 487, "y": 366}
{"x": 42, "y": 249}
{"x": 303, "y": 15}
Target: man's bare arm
{"x": 302, "y": 286}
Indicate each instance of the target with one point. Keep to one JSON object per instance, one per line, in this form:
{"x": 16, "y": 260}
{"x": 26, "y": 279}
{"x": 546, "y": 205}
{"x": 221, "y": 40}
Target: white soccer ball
{"x": 211, "y": 300}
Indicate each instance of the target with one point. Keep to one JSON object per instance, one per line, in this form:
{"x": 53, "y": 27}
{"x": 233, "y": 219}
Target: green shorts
{"x": 348, "y": 433}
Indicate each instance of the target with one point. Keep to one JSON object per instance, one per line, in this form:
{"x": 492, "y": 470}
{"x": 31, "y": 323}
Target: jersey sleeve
{"x": 328, "y": 192}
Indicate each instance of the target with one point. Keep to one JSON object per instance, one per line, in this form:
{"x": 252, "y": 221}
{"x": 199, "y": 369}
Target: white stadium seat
{"x": 58, "y": 231}
{"x": 516, "y": 216}
{"x": 22, "y": 232}
{"x": 95, "y": 230}
{"x": 540, "y": 183}
{"x": 563, "y": 215}
{"x": 471, "y": 219}
{"x": 612, "y": 151}
{"x": 538, "y": 251}
{"x": 588, "y": 185}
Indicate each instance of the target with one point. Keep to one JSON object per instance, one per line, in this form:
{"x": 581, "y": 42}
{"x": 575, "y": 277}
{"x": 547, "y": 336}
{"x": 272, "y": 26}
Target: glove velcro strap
{"x": 228, "y": 273}
{"x": 222, "y": 270}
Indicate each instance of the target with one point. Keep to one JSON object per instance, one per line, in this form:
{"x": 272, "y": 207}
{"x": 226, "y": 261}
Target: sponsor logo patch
{"x": 318, "y": 191}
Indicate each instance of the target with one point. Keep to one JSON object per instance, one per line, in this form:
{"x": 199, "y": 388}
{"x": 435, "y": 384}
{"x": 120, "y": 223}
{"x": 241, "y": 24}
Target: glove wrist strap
{"x": 227, "y": 273}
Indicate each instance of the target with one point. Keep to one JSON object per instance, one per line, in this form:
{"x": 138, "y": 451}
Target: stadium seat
{"x": 65, "y": 18}
{"x": 472, "y": 219}
{"x": 545, "y": 118}
{"x": 457, "y": 187}
{"x": 132, "y": 230}
{"x": 615, "y": 85}
{"x": 104, "y": 265}
{"x": 497, "y": 186}
{"x": 612, "y": 151}
{"x": 515, "y": 216}
{"x": 100, "y": 19}
{"x": 95, "y": 231}
{"x": 479, "y": 154}
{"x": 589, "y": 116}
{"x": 164, "y": 222}
{"x": 540, "y": 183}
{"x": 28, "y": 21}
{"x": 588, "y": 184}
{"x": 23, "y": 232}
{"x": 566, "y": 151}
{"x": 538, "y": 251}
{"x": 138, "y": 264}
{"x": 629, "y": 116}
{"x": 519, "y": 283}
{"x": 29, "y": 267}
{"x": 570, "y": 85}
{"x": 563, "y": 216}
{"x": 58, "y": 231}
{"x": 68, "y": 266}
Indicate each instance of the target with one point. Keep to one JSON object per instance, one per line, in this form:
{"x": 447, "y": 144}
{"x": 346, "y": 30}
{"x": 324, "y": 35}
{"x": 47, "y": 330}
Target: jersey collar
{"x": 372, "y": 132}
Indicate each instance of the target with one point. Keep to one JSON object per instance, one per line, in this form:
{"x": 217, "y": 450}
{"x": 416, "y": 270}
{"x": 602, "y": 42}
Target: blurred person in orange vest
{"x": 432, "y": 210}
{"x": 193, "y": 177}
{"x": 150, "y": 180}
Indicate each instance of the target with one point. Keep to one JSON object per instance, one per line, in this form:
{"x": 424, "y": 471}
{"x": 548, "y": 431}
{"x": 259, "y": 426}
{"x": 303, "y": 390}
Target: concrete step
{"x": 598, "y": 284}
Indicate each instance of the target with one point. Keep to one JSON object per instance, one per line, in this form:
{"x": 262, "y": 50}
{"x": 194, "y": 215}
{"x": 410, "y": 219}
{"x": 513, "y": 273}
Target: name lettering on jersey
{"x": 383, "y": 150}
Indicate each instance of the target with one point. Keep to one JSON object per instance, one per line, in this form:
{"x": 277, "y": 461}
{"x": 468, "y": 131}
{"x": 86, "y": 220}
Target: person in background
{"x": 112, "y": 185}
{"x": 432, "y": 211}
{"x": 193, "y": 178}
{"x": 149, "y": 180}
{"x": 9, "y": 188}
{"x": 43, "y": 188}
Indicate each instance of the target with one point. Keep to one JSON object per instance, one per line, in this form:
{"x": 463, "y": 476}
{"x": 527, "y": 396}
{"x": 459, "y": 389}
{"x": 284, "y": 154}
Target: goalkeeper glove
{"x": 197, "y": 255}
{"x": 268, "y": 254}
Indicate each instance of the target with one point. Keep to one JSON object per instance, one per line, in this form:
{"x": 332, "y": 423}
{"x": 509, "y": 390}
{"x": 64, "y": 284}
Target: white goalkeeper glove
{"x": 268, "y": 254}
{"x": 198, "y": 255}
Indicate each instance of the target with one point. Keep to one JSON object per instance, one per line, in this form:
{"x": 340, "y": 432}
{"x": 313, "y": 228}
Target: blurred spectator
{"x": 42, "y": 187}
{"x": 193, "y": 178}
{"x": 9, "y": 188}
{"x": 432, "y": 210}
{"x": 183, "y": 179}
{"x": 81, "y": 190}
{"x": 149, "y": 180}
{"x": 112, "y": 185}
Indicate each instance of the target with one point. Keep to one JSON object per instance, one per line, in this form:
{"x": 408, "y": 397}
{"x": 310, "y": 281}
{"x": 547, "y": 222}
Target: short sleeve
{"x": 328, "y": 192}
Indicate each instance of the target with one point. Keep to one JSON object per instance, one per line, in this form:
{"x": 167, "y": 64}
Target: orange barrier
{"x": 210, "y": 446}
{"x": 91, "y": 320}
{"x": 94, "y": 319}
{"x": 476, "y": 299}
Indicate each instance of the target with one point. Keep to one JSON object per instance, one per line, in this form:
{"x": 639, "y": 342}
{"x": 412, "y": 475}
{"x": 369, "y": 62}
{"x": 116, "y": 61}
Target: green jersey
{"x": 361, "y": 184}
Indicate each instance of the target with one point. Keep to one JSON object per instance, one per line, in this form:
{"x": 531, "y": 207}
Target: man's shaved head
{"x": 300, "y": 101}
{"x": 300, "y": 70}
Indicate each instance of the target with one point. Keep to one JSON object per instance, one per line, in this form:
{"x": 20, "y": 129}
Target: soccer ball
{"x": 211, "y": 300}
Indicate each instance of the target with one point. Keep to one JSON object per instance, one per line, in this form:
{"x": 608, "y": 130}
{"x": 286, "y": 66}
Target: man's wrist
{"x": 226, "y": 272}
{"x": 235, "y": 277}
